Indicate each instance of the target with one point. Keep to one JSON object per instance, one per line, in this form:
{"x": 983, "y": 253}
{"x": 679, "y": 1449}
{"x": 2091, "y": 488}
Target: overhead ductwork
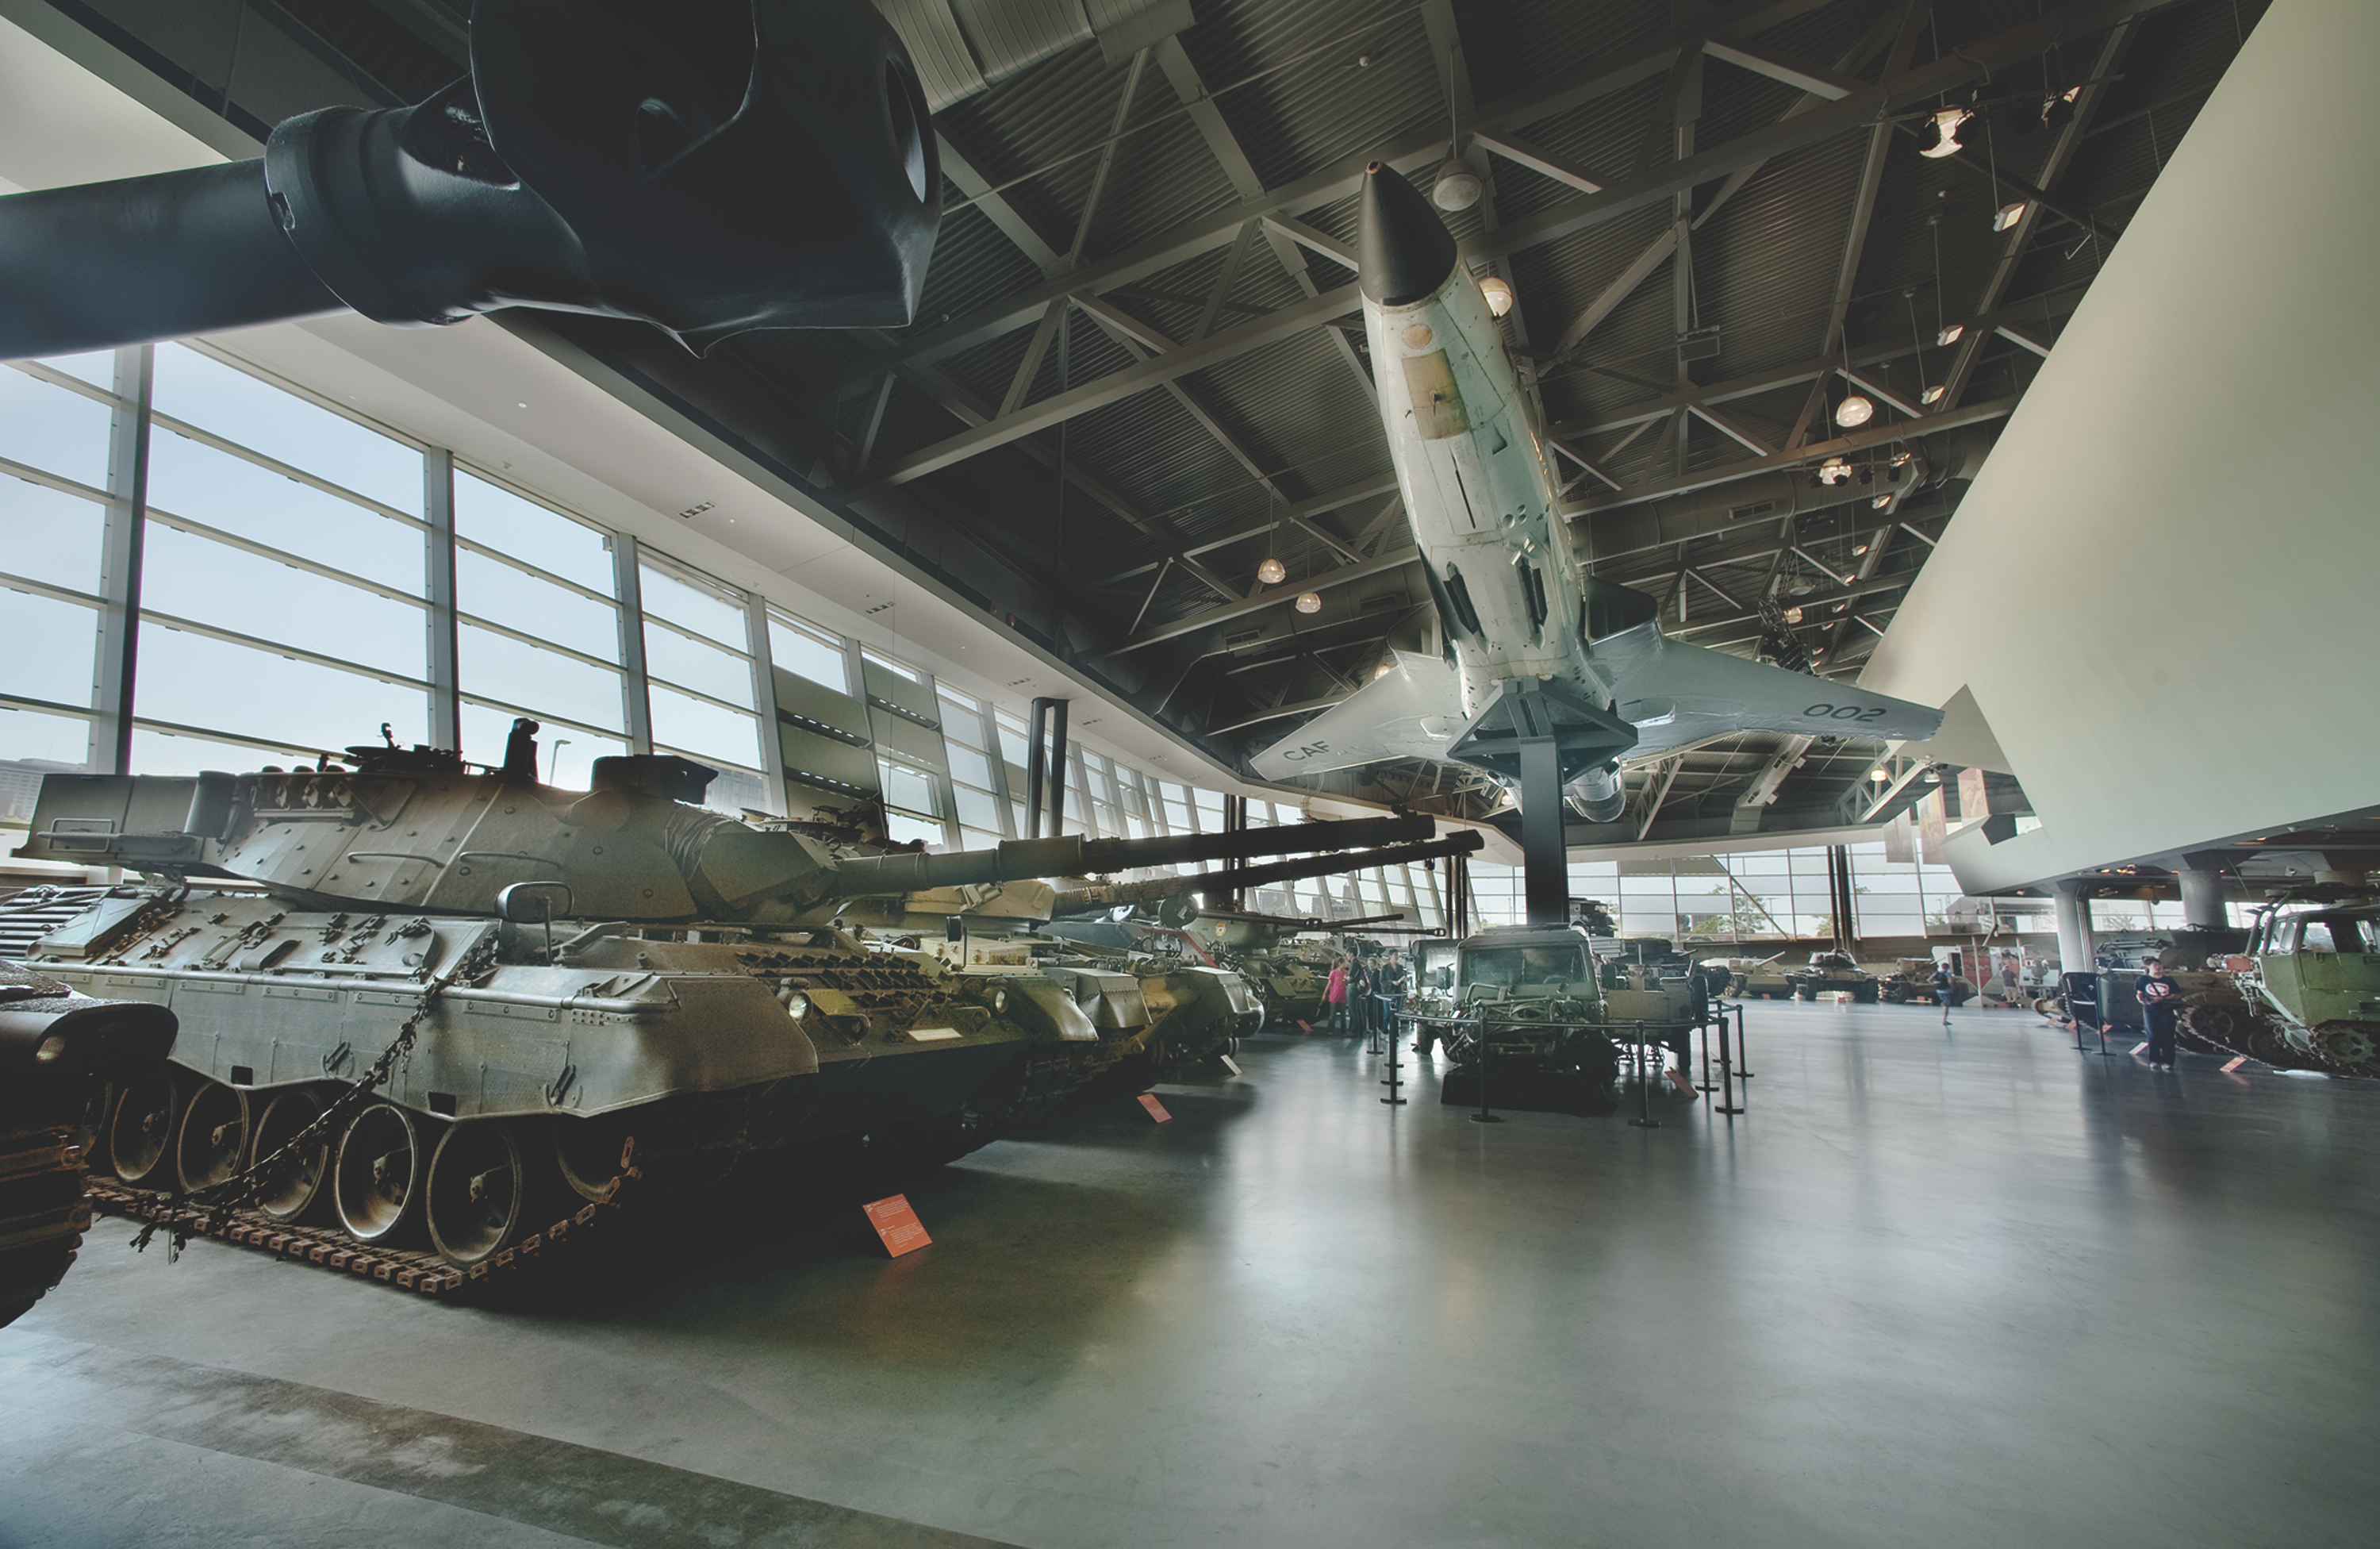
{"x": 1611, "y": 533}
{"x": 962, "y": 46}
{"x": 708, "y": 167}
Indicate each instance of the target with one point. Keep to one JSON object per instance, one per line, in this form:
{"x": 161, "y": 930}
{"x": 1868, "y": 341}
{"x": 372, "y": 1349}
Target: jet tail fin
{"x": 1678, "y": 693}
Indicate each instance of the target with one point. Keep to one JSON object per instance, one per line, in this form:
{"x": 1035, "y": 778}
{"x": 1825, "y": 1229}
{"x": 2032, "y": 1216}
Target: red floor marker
{"x": 2234, "y": 1063}
{"x": 2140, "y": 1048}
{"x": 1156, "y": 1109}
{"x": 1678, "y": 1080}
{"x": 1303, "y": 1028}
{"x": 1230, "y": 1064}
{"x": 897, "y": 1224}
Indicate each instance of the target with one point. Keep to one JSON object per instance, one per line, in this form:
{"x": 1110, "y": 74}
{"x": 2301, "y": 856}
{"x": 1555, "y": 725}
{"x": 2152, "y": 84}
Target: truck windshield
{"x": 1511, "y": 966}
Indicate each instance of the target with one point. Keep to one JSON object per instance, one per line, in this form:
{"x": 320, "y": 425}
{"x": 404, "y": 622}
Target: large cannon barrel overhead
{"x": 708, "y": 166}
{"x": 1069, "y": 855}
{"x": 1088, "y": 901}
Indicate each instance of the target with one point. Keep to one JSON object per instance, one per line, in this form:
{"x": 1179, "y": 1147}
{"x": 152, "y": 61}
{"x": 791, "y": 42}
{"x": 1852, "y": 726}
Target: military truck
{"x": 542, "y": 993}
{"x": 60, "y": 1053}
{"x": 2311, "y": 979}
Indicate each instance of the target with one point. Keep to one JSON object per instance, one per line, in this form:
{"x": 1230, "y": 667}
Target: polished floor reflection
{"x": 1933, "y": 1288}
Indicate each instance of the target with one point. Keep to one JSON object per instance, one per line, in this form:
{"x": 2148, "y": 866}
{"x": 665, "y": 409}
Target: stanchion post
{"x": 1727, "y": 1103}
{"x": 2104, "y": 1052}
{"x": 1743, "y": 1055}
{"x": 1483, "y": 1115}
{"x": 1644, "y": 1119}
{"x": 1704, "y": 1028}
{"x": 1395, "y": 1073}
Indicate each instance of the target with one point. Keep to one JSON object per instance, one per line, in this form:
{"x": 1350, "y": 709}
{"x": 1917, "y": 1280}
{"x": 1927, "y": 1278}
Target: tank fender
{"x": 1047, "y": 1011}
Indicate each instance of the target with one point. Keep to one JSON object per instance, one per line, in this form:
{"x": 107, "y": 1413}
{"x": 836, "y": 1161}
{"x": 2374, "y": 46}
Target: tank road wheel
{"x": 212, "y": 1140}
{"x": 2214, "y": 1025}
{"x": 2349, "y": 1043}
{"x": 376, "y": 1184}
{"x": 141, "y": 1132}
{"x": 484, "y": 1192}
{"x": 587, "y": 1153}
{"x": 294, "y": 1189}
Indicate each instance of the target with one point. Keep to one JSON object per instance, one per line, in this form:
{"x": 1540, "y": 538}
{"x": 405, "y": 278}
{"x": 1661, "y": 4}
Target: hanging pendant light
{"x": 1853, "y": 412}
{"x": 1309, "y": 601}
{"x": 1497, "y": 292}
{"x": 1272, "y": 572}
{"x": 1457, "y": 186}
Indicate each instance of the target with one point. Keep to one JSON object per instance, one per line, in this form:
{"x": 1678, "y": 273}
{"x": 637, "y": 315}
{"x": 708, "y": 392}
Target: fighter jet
{"x": 1546, "y": 680}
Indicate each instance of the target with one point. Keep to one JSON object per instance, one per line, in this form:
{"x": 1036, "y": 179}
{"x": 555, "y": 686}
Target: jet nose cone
{"x": 1403, "y": 251}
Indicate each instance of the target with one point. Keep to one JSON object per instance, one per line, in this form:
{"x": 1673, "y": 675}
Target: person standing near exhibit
{"x": 1943, "y": 982}
{"x": 1334, "y": 996}
{"x": 2160, "y": 1006}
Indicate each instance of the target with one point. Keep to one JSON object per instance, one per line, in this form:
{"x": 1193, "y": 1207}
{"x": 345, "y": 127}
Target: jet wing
{"x": 1677, "y": 693}
{"x": 1415, "y": 712}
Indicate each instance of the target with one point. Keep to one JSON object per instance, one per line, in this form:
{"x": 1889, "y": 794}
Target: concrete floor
{"x": 1933, "y": 1290}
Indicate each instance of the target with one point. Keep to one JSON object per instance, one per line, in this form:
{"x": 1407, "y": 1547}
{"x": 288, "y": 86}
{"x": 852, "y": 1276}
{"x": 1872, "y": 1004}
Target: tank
{"x": 1831, "y": 973}
{"x": 61, "y": 1053}
{"x": 2300, "y": 989}
{"x": 1173, "y": 999}
{"x": 563, "y": 993}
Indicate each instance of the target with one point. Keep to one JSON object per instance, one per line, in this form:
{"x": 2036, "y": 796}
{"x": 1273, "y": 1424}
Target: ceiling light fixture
{"x": 2009, "y": 214}
{"x": 2058, "y": 108}
{"x": 1859, "y": 549}
{"x": 1940, "y": 136}
{"x": 1951, "y": 334}
{"x": 1933, "y": 393}
{"x": 1309, "y": 601}
{"x": 1879, "y": 776}
{"x": 1272, "y": 572}
{"x": 1853, "y": 412}
{"x": 1792, "y": 616}
{"x": 1499, "y": 293}
{"x": 1834, "y": 471}
{"x": 1457, "y": 186}
{"x": 1880, "y": 502}
{"x": 1381, "y": 671}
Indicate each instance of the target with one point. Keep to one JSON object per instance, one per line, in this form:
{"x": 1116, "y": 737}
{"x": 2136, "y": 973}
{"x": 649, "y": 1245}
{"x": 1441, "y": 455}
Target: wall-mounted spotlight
{"x": 2009, "y": 214}
{"x": 1497, "y": 292}
{"x": 1272, "y": 572}
{"x": 1940, "y": 135}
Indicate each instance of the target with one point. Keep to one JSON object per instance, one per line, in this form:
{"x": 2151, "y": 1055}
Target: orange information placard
{"x": 2141, "y": 1047}
{"x": 1678, "y": 1080}
{"x": 897, "y": 1224}
{"x": 2234, "y": 1063}
{"x": 1231, "y": 1064}
{"x": 1156, "y": 1109}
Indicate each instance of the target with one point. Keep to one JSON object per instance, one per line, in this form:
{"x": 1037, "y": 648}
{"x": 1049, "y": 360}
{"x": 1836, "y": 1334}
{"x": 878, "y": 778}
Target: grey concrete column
{"x": 2201, "y": 898}
{"x": 628, "y": 589}
{"x": 116, "y": 664}
{"x": 2074, "y": 946}
{"x": 438, "y": 508}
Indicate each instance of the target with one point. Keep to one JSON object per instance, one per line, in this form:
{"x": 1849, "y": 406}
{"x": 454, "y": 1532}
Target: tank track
{"x": 418, "y": 1271}
{"x": 43, "y": 1213}
{"x": 566, "y": 1241}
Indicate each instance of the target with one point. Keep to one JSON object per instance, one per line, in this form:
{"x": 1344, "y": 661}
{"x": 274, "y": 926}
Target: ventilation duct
{"x": 1936, "y": 460}
{"x": 962, "y": 46}
{"x": 708, "y": 167}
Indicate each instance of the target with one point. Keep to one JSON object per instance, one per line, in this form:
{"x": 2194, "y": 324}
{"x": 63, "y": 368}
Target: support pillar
{"x": 1545, "y": 858}
{"x": 2075, "y": 953}
{"x": 2202, "y": 899}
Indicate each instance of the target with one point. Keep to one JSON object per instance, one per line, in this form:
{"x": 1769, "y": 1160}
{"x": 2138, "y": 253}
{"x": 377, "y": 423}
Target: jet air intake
{"x": 708, "y": 167}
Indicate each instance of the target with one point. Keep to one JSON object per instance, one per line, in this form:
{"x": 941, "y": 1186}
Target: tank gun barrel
{"x": 1085, "y": 900}
{"x": 1071, "y": 855}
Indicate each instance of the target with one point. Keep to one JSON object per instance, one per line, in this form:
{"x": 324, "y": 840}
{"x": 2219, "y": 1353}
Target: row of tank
{"x": 585, "y": 966}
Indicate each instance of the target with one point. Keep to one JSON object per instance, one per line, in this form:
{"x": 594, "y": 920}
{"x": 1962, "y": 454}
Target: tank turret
{"x": 416, "y": 831}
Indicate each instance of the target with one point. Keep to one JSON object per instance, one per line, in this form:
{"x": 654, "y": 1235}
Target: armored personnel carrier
{"x": 2307, "y": 983}
{"x": 59, "y": 1054}
{"x": 540, "y": 994}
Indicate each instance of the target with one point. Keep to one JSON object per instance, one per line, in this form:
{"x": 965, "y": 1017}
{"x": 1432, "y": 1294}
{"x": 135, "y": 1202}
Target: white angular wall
{"x": 2191, "y": 495}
